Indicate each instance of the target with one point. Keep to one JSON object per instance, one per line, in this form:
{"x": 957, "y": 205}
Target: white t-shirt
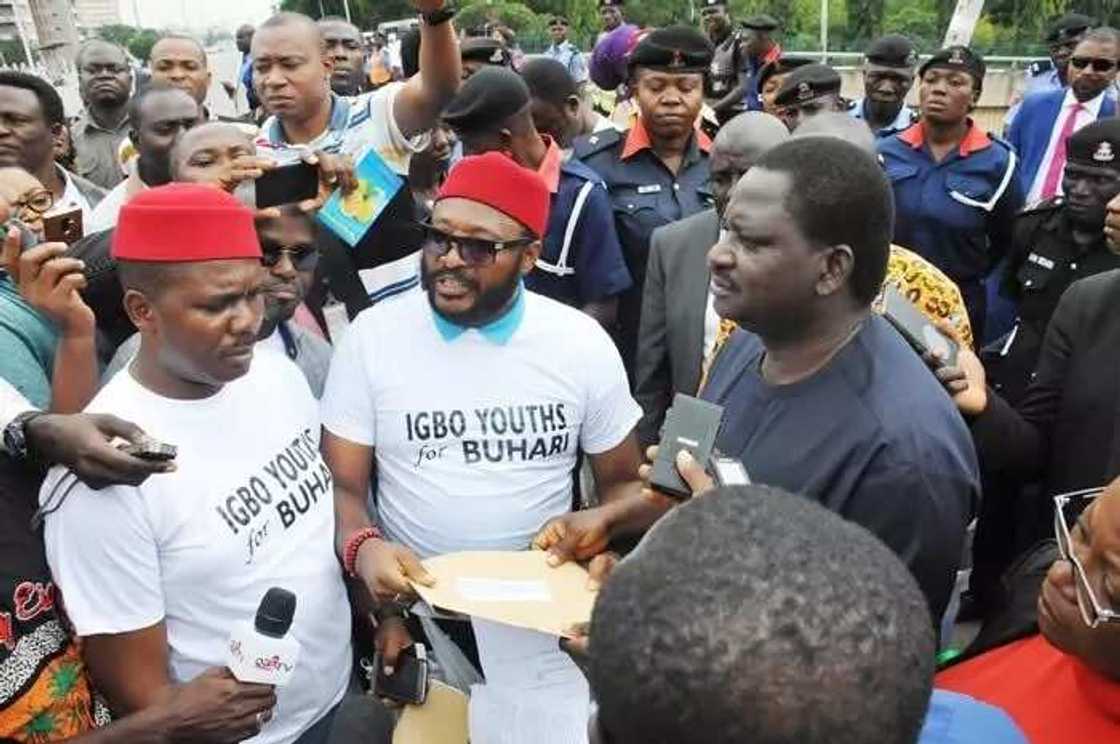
{"x": 250, "y": 507}
{"x": 476, "y": 440}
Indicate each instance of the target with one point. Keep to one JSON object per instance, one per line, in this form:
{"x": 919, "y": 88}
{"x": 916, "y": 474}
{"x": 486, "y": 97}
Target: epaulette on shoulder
{"x": 596, "y": 142}
{"x": 1000, "y": 141}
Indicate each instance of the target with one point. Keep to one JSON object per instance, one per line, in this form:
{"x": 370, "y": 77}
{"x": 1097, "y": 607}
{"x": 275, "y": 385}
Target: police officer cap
{"x": 1069, "y": 26}
{"x": 611, "y": 3}
{"x": 1097, "y": 144}
{"x": 808, "y": 83}
{"x": 487, "y": 99}
{"x": 558, "y": 20}
{"x": 484, "y": 49}
{"x": 713, "y": 3}
{"x": 780, "y": 66}
{"x": 674, "y": 49}
{"x": 893, "y": 50}
{"x": 957, "y": 58}
{"x": 761, "y": 22}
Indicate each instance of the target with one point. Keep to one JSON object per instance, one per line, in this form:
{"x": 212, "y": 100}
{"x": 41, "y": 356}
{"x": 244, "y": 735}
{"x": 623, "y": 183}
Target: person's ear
{"x": 529, "y": 257}
{"x": 140, "y": 310}
{"x": 573, "y": 105}
{"x": 837, "y": 264}
{"x": 59, "y": 139}
{"x": 505, "y": 141}
{"x": 328, "y": 64}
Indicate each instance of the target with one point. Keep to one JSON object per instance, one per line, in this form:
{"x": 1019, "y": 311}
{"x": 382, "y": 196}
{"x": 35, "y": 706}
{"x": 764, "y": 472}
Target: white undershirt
{"x": 711, "y": 319}
{"x": 1089, "y": 112}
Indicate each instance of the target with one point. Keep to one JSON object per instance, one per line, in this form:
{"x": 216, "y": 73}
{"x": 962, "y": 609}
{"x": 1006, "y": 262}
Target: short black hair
{"x": 190, "y": 39}
{"x": 290, "y": 18}
{"x": 49, "y": 100}
{"x": 136, "y": 103}
{"x": 91, "y": 43}
{"x": 752, "y": 615}
{"x": 840, "y": 196}
{"x": 150, "y": 278}
{"x": 549, "y": 81}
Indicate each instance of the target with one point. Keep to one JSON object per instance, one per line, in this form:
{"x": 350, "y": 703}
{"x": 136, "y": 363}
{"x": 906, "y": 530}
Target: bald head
{"x": 834, "y": 124}
{"x": 740, "y": 143}
{"x": 292, "y": 22}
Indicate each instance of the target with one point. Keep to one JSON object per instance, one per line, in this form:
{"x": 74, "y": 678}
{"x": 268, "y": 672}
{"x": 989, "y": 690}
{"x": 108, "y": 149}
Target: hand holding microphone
{"x": 258, "y": 651}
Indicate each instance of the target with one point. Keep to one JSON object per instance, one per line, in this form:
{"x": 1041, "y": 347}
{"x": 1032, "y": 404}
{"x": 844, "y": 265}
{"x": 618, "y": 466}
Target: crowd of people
{"x": 490, "y": 365}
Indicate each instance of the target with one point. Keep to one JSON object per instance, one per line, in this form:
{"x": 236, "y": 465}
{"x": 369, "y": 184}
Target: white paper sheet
{"x": 533, "y": 691}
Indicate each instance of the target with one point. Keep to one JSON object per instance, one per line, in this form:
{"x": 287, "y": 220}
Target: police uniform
{"x": 727, "y": 65}
{"x": 754, "y": 65}
{"x": 644, "y": 193}
{"x": 1045, "y": 260}
{"x": 806, "y": 84}
{"x": 897, "y": 52}
{"x": 957, "y": 213}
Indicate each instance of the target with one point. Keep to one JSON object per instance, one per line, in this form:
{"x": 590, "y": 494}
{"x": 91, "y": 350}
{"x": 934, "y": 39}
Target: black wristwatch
{"x": 443, "y": 15}
{"x": 15, "y": 434}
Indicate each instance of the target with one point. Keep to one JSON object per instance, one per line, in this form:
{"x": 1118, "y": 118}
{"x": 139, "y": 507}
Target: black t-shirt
{"x": 872, "y": 436}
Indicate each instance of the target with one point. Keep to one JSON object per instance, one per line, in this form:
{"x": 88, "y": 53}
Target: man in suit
{"x": 1046, "y": 120}
{"x": 679, "y": 325}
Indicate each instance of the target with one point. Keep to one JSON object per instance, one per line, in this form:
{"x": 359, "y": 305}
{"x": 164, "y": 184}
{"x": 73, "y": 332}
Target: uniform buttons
{"x": 1073, "y": 266}
{"x": 1028, "y": 283}
{"x": 676, "y": 187}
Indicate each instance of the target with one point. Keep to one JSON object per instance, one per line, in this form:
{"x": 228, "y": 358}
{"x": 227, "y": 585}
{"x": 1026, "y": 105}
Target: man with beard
{"x": 473, "y": 399}
{"x": 727, "y": 82}
{"x": 1050, "y": 74}
{"x": 105, "y": 84}
{"x": 1046, "y": 120}
{"x": 344, "y": 46}
{"x": 157, "y": 115}
{"x": 657, "y": 171}
{"x": 888, "y": 74}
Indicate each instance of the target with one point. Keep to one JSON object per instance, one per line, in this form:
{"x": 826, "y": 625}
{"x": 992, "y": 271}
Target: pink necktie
{"x": 1058, "y": 162}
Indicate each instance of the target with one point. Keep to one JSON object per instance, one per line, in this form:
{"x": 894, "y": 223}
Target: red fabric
{"x": 1053, "y": 697}
{"x": 1058, "y": 161}
{"x": 637, "y": 139}
{"x": 975, "y": 138}
{"x": 549, "y": 171}
{"x": 497, "y": 181}
{"x": 182, "y": 223}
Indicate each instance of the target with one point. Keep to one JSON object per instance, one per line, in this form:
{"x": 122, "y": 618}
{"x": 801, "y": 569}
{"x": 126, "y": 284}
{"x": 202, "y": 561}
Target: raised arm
{"x": 420, "y": 102}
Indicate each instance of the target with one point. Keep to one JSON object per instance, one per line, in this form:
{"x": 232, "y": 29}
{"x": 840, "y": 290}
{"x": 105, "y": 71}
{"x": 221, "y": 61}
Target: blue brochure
{"x": 350, "y": 217}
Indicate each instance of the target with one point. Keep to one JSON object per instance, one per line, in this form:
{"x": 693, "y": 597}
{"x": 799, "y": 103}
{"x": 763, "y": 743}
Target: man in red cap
{"x": 155, "y": 576}
{"x": 473, "y": 399}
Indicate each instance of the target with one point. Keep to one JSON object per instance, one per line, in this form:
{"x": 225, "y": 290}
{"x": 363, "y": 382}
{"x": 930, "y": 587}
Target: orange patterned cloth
{"x": 54, "y": 702}
{"x": 935, "y": 294}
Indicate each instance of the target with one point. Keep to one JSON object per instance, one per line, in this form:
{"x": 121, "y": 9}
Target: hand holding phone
{"x": 917, "y": 328}
{"x": 409, "y": 681}
{"x": 64, "y": 226}
{"x": 691, "y": 424}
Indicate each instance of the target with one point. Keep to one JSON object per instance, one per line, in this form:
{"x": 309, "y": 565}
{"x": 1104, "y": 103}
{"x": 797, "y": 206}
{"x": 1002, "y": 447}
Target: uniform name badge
{"x": 653, "y": 188}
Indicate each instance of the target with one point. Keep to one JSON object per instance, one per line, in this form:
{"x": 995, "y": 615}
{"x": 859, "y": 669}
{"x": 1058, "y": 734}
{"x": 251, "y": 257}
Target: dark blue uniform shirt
{"x": 581, "y": 260}
{"x": 872, "y": 436}
{"x": 958, "y": 213}
{"x": 644, "y": 195}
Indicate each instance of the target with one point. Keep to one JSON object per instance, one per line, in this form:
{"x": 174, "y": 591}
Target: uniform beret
{"x": 712, "y": 3}
{"x": 780, "y": 66}
{"x": 957, "y": 58}
{"x": 676, "y": 49}
{"x": 1096, "y": 144}
{"x": 808, "y": 83}
{"x": 558, "y": 20}
{"x": 1068, "y": 27}
{"x": 611, "y": 3}
{"x": 484, "y": 49}
{"x": 761, "y": 22}
{"x": 893, "y": 50}
{"x": 487, "y": 99}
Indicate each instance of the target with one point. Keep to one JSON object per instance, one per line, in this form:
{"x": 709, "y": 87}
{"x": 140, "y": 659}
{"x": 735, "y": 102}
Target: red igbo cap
{"x": 497, "y": 181}
{"x": 183, "y": 223}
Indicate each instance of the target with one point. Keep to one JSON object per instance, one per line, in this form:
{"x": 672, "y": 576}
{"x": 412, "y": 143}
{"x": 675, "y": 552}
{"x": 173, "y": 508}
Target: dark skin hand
{"x": 82, "y": 442}
{"x": 335, "y": 172}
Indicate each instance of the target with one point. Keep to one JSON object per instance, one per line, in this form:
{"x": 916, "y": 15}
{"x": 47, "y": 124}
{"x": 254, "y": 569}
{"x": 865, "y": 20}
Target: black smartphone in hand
{"x": 287, "y": 184}
{"x": 409, "y": 681}
{"x": 690, "y": 424}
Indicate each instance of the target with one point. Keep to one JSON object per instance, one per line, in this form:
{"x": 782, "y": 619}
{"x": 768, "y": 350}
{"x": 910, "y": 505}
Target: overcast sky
{"x": 195, "y": 14}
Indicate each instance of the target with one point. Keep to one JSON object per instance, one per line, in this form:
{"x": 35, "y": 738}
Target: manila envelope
{"x": 442, "y": 719}
{"x": 514, "y": 588}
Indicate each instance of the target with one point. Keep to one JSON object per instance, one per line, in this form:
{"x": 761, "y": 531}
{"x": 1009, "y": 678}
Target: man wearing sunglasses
{"x": 473, "y": 399}
{"x": 1046, "y": 120}
{"x": 1050, "y": 74}
{"x": 1063, "y": 685}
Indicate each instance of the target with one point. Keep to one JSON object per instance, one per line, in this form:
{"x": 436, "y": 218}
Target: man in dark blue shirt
{"x": 581, "y": 261}
{"x": 822, "y": 397}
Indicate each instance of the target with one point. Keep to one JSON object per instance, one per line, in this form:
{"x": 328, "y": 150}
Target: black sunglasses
{"x": 303, "y": 257}
{"x": 1099, "y": 64}
{"x": 473, "y": 251}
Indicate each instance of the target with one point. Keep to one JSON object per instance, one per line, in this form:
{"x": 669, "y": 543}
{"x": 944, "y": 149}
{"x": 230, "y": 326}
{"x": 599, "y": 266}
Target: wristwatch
{"x": 443, "y": 15}
{"x": 15, "y": 434}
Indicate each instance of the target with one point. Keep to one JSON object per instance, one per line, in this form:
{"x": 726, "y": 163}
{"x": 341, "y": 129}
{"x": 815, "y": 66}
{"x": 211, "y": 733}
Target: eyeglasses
{"x": 1099, "y": 64}
{"x": 1067, "y": 505}
{"x": 34, "y": 203}
{"x": 473, "y": 251}
{"x": 303, "y": 257}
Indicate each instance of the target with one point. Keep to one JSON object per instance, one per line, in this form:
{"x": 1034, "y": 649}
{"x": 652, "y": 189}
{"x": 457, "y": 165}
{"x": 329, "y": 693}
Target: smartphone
{"x": 287, "y": 184}
{"x": 409, "y": 681}
{"x": 63, "y": 227}
{"x": 690, "y": 424}
{"x": 917, "y": 328}
{"x": 152, "y": 450}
